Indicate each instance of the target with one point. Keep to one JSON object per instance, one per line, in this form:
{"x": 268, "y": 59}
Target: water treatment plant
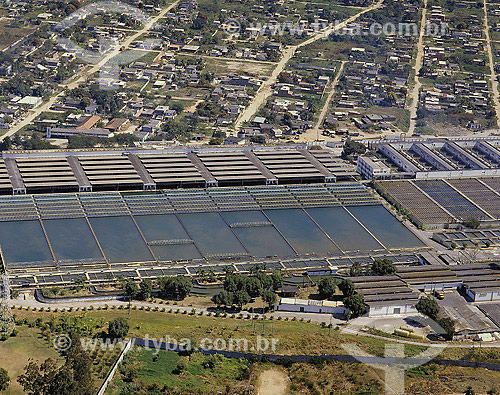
{"x": 232, "y": 197}
{"x": 294, "y": 208}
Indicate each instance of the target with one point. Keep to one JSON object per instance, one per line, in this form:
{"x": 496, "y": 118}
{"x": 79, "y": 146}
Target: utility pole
{"x": 253, "y": 320}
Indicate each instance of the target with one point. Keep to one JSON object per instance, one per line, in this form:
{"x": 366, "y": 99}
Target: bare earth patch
{"x": 273, "y": 382}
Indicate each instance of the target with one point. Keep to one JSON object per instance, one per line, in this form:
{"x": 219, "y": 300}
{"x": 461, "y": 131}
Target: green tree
{"x": 266, "y": 281}
{"x": 356, "y": 304}
{"x": 352, "y": 149}
{"x": 253, "y": 287}
{"x": 449, "y": 326}
{"x": 472, "y": 222}
{"x": 347, "y": 287}
{"x": 79, "y": 364}
{"x": 241, "y": 298}
{"x": 131, "y": 288}
{"x": 356, "y": 269}
{"x": 258, "y": 139}
{"x": 6, "y": 144}
{"x": 269, "y": 298}
{"x": 383, "y": 267}
{"x": 277, "y": 280}
{"x": 175, "y": 287}
{"x": 327, "y": 287}
{"x": 118, "y": 328}
{"x": 37, "y": 379}
{"x": 4, "y": 379}
{"x": 428, "y": 306}
{"x": 145, "y": 289}
{"x": 223, "y": 298}
{"x": 230, "y": 282}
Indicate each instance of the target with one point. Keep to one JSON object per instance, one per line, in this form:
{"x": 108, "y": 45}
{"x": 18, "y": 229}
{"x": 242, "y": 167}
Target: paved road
{"x": 493, "y": 75}
{"x": 82, "y": 76}
{"x": 266, "y": 89}
{"x": 418, "y": 65}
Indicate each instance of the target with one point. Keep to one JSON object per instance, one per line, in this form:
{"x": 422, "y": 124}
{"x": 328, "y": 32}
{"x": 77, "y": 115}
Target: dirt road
{"x": 273, "y": 382}
{"x": 313, "y": 134}
{"x": 493, "y": 75}
{"x": 418, "y": 65}
{"x": 266, "y": 89}
{"x": 82, "y": 76}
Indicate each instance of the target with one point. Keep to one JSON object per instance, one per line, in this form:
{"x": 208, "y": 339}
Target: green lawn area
{"x": 168, "y": 371}
{"x": 16, "y": 351}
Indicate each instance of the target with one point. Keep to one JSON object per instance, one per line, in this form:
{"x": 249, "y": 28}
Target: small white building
{"x": 391, "y": 308}
{"x": 310, "y": 306}
{"x": 30, "y": 101}
{"x": 372, "y": 168}
{"x": 485, "y": 291}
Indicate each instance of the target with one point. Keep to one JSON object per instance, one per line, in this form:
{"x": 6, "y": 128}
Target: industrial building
{"x": 481, "y": 282}
{"x": 399, "y": 294}
{"x": 311, "y": 306}
{"x": 386, "y": 295}
{"x": 372, "y": 168}
{"x": 112, "y": 170}
{"x": 442, "y": 158}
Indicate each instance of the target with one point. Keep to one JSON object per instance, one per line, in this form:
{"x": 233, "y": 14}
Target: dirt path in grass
{"x": 273, "y": 382}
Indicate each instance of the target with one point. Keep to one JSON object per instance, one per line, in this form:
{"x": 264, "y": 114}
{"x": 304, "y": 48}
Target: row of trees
{"x": 380, "y": 267}
{"x": 169, "y": 287}
{"x": 240, "y": 290}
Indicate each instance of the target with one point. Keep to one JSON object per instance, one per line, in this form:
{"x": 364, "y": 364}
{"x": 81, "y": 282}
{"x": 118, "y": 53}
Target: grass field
{"x": 17, "y": 351}
{"x": 168, "y": 371}
{"x": 11, "y": 34}
{"x": 294, "y": 337}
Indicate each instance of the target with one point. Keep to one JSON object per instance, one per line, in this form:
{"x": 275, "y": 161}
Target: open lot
{"x": 10, "y": 35}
